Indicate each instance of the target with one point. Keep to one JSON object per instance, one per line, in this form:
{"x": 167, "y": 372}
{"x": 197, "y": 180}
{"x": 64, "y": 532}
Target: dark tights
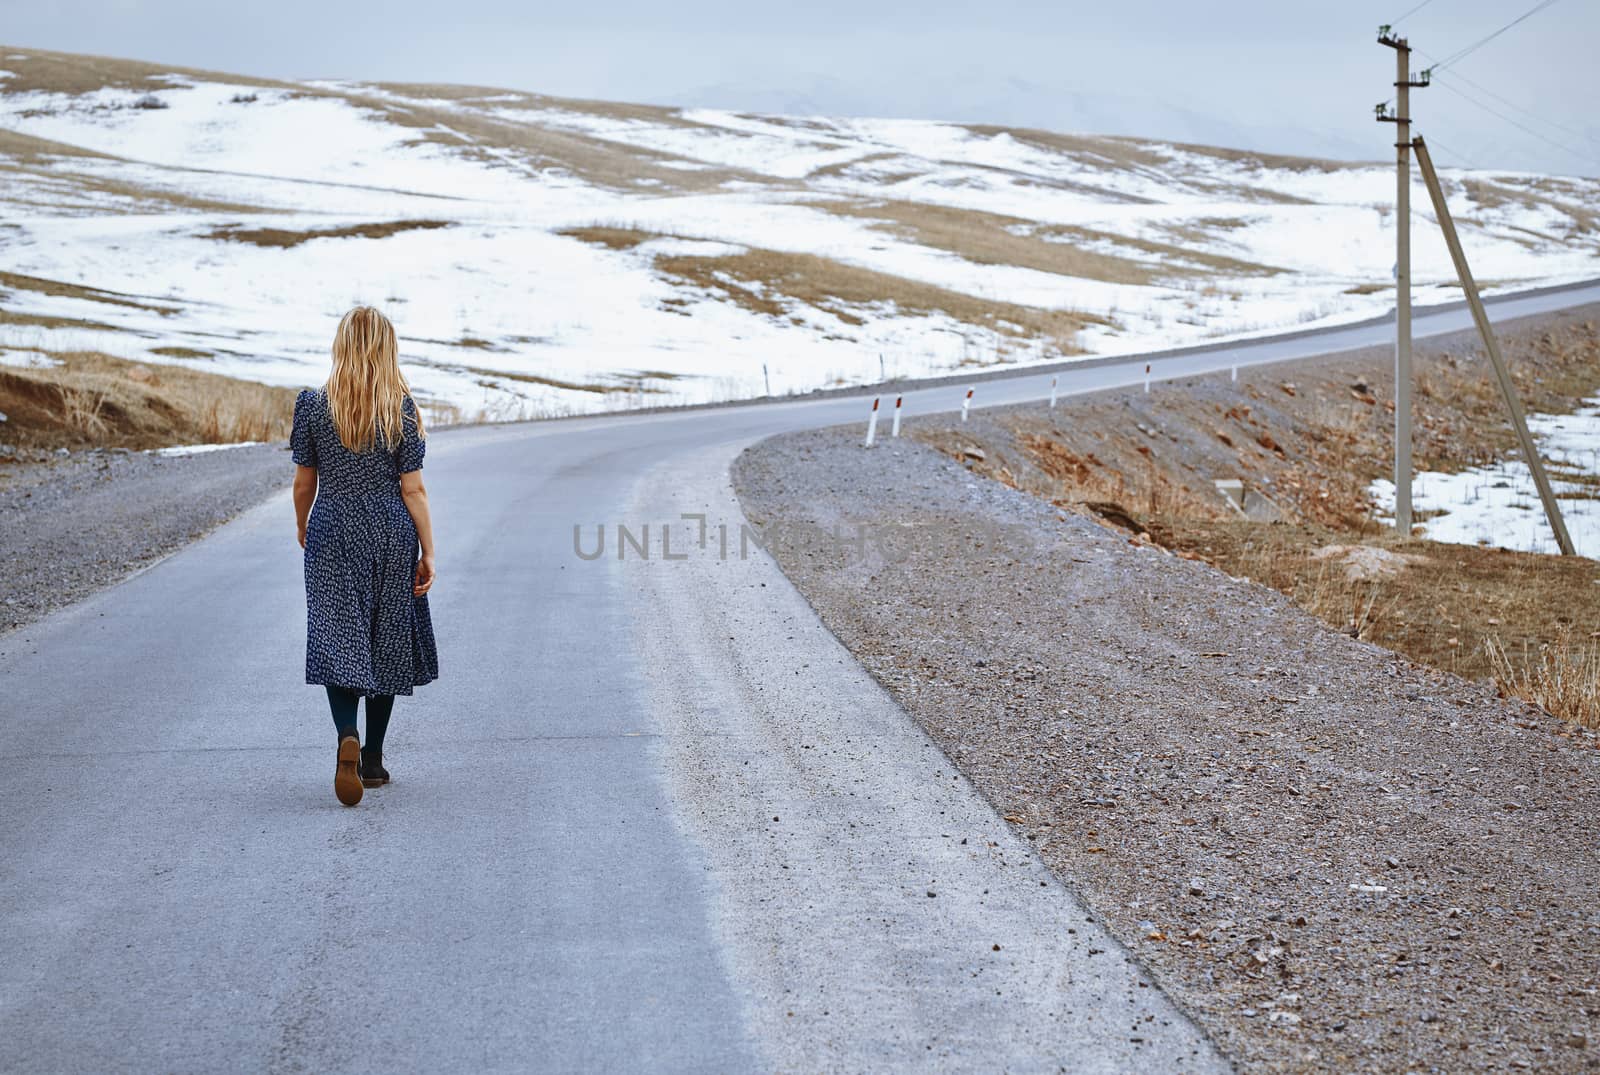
{"x": 379, "y": 706}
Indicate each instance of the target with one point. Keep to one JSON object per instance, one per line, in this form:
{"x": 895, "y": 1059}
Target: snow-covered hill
{"x": 547, "y": 256}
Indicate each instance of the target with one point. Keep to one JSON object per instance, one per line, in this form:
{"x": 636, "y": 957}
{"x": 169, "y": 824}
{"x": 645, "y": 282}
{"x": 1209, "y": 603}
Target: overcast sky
{"x": 1291, "y": 75}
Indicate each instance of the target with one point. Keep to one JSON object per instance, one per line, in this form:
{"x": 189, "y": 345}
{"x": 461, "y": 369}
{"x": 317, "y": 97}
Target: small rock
{"x": 1577, "y": 1041}
{"x": 1196, "y": 887}
{"x": 1392, "y": 863}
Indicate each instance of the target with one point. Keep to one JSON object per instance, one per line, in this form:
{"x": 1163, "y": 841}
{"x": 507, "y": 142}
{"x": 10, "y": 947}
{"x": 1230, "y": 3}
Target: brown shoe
{"x": 373, "y": 774}
{"x": 346, "y": 774}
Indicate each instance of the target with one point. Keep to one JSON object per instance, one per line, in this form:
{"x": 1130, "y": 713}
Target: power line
{"x": 1461, "y": 54}
{"x": 1458, "y": 155}
{"x": 1527, "y": 112}
{"x": 1410, "y": 13}
{"x": 1585, "y": 157}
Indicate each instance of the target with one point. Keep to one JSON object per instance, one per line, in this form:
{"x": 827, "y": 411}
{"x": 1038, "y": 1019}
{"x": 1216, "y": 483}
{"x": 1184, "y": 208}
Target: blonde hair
{"x": 366, "y": 390}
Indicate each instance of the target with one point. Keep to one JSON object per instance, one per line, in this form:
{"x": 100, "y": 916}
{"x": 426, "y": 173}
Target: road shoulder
{"x": 1330, "y": 856}
{"x": 875, "y": 911}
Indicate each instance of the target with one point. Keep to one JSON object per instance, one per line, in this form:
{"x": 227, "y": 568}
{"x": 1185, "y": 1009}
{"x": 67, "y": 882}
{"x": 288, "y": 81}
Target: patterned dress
{"x": 364, "y": 630}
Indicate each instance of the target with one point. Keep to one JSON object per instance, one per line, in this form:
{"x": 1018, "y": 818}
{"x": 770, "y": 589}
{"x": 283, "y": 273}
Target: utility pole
{"x": 1508, "y": 388}
{"x": 1401, "y": 118}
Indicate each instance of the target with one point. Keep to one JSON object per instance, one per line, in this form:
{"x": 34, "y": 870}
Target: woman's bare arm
{"x": 305, "y": 491}
{"x": 416, "y": 498}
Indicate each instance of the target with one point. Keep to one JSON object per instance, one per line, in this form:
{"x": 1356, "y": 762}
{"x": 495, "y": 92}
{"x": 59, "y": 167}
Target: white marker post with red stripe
{"x": 1235, "y": 376}
{"x": 966, "y": 404}
{"x": 894, "y": 430}
{"x": 872, "y": 423}
{"x": 1052, "y": 393}
{"x": 1147, "y": 378}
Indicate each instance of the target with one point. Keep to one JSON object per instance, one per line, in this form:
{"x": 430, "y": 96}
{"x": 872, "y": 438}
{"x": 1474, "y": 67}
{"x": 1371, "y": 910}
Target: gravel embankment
{"x": 1334, "y": 859}
{"x": 72, "y": 524}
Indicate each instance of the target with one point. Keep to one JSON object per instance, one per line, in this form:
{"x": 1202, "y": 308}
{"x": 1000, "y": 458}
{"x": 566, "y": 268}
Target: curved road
{"x": 652, "y": 817}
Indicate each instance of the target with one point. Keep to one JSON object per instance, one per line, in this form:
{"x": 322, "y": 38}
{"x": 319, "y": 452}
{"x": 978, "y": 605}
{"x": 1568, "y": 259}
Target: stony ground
{"x": 70, "y": 524}
{"x": 1306, "y": 439}
{"x": 1335, "y": 859}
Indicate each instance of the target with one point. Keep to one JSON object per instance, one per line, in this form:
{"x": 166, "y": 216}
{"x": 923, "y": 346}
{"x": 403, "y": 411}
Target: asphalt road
{"x": 652, "y": 817}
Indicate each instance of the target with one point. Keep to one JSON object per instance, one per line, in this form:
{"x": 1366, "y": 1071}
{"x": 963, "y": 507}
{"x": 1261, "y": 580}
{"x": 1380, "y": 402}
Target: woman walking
{"x": 363, "y": 518}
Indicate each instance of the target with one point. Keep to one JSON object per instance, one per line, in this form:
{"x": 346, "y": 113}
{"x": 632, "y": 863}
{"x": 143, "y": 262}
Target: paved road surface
{"x": 652, "y": 818}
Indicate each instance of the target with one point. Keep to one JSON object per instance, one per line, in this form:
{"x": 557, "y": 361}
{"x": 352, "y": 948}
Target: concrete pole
{"x": 1402, "y": 290}
{"x": 1508, "y": 388}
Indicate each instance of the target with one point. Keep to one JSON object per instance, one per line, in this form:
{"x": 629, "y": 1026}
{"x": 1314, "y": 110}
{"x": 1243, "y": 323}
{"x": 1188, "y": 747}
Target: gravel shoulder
{"x": 1332, "y": 858}
{"x": 72, "y": 524}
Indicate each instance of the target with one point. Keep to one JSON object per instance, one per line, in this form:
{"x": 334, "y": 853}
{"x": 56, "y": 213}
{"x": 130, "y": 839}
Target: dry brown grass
{"x": 523, "y": 377}
{"x": 1518, "y": 618}
{"x": 767, "y": 281}
{"x": 1173, "y": 261}
{"x": 282, "y": 238}
{"x": 610, "y": 236}
{"x": 595, "y": 160}
{"x": 1147, "y": 464}
{"x": 1561, "y": 677}
{"x": 32, "y": 149}
{"x": 992, "y": 239}
{"x": 13, "y": 317}
{"x": 41, "y": 70}
{"x": 1104, "y": 151}
{"x": 477, "y": 135}
{"x": 97, "y": 400}
{"x": 62, "y": 289}
{"x": 55, "y": 189}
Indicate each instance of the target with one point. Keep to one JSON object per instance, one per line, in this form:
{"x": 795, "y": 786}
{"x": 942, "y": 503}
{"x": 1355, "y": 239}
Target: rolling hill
{"x": 545, "y": 256}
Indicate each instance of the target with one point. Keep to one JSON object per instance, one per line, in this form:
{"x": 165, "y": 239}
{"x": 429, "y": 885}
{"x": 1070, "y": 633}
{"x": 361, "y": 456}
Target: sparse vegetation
{"x": 97, "y": 400}
{"x": 283, "y": 238}
{"x": 1309, "y": 448}
{"x": 1562, "y": 677}
{"x": 62, "y": 289}
{"x": 610, "y": 236}
{"x": 768, "y": 281}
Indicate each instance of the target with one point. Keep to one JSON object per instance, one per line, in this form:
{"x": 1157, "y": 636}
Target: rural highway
{"x": 653, "y": 817}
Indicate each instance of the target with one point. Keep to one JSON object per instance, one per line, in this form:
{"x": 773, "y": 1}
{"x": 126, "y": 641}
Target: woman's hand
{"x": 302, "y": 529}
{"x": 424, "y": 579}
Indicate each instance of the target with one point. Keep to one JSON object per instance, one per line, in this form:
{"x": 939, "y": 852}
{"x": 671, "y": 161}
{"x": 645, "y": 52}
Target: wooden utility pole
{"x": 1508, "y": 388}
{"x": 1401, "y": 118}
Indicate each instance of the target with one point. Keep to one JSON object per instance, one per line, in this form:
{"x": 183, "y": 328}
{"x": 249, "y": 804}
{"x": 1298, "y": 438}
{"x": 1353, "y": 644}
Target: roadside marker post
{"x": 872, "y": 424}
{"x": 1053, "y": 393}
{"x": 1234, "y": 375}
{"x": 966, "y": 403}
{"x": 894, "y": 430}
{"x": 1147, "y": 378}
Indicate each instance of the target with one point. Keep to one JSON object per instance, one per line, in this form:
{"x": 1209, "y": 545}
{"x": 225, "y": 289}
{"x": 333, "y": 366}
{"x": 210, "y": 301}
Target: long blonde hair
{"x": 366, "y": 390}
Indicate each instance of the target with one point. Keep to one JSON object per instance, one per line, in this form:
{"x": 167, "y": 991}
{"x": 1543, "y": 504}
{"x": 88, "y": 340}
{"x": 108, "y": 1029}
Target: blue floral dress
{"x": 364, "y": 630}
